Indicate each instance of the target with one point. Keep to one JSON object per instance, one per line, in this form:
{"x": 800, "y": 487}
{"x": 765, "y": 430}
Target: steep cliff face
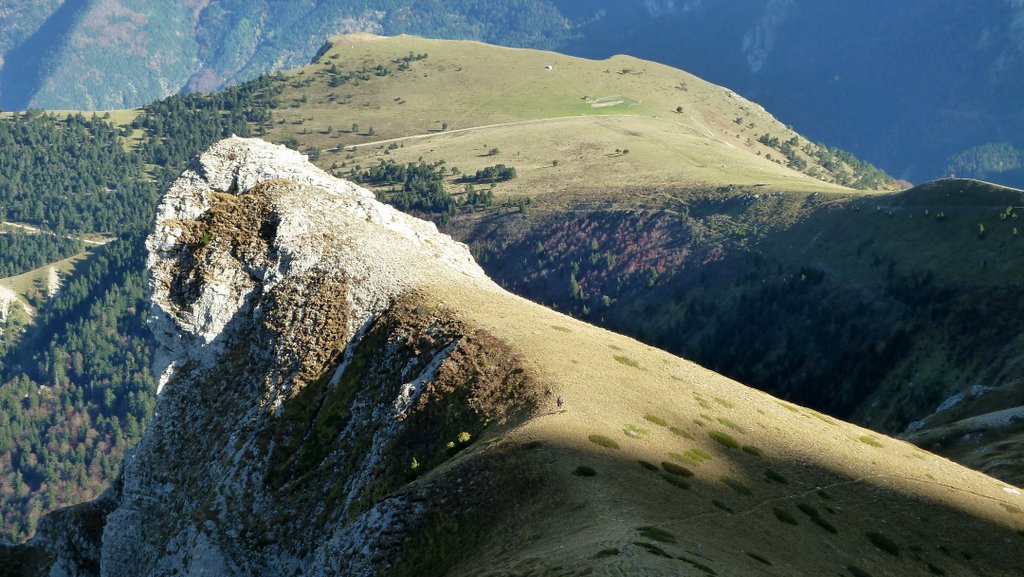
{"x": 343, "y": 392}
{"x": 284, "y": 300}
{"x": 298, "y": 377}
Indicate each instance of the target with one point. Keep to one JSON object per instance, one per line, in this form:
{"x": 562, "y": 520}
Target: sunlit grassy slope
{"x": 630, "y": 135}
{"x": 656, "y": 466}
{"x": 626, "y": 134}
{"x": 568, "y": 125}
{"x": 36, "y": 281}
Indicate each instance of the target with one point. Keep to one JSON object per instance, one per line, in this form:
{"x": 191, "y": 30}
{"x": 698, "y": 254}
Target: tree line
{"x": 23, "y": 252}
{"x": 76, "y": 391}
{"x": 419, "y": 187}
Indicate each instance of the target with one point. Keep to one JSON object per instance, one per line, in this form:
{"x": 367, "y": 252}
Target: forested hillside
{"x": 25, "y": 251}
{"x": 70, "y": 174}
{"x": 77, "y": 390}
{"x": 88, "y": 54}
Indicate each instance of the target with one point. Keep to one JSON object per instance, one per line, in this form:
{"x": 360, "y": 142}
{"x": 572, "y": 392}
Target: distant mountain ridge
{"x": 921, "y": 88}
{"x": 905, "y": 85}
{"x": 111, "y": 54}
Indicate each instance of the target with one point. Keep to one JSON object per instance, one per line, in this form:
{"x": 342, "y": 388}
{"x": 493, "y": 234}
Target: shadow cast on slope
{"x": 766, "y": 516}
{"x": 26, "y": 65}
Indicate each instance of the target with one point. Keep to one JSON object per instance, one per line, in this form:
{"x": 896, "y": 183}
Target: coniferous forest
{"x": 77, "y": 389}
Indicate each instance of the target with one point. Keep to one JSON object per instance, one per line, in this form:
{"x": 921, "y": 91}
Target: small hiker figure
{"x": 559, "y": 402}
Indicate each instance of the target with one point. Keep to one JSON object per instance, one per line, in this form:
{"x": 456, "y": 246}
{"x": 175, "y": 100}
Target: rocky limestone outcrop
{"x": 8, "y": 300}
{"x": 270, "y": 215}
{"x": 304, "y": 389}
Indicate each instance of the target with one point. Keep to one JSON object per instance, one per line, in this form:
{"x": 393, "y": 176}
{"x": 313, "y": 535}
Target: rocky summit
{"x": 279, "y": 294}
{"x": 277, "y": 298}
{"x": 344, "y": 392}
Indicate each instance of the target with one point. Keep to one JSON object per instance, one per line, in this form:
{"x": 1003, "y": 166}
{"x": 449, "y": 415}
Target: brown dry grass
{"x": 466, "y": 98}
{"x": 924, "y": 502}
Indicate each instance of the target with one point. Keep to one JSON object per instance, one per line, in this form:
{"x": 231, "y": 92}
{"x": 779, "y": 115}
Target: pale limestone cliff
{"x": 295, "y": 372}
{"x": 7, "y": 299}
{"x": 314, "y": 224}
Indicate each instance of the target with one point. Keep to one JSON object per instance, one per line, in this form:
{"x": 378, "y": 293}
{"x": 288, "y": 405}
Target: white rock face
{"x": 262, "y": 268}
{"x": 52, "y": 282}
{"x": 8, "y": 301}
{"x": 7, "y": 298}
{"x": 340, "y": 228}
